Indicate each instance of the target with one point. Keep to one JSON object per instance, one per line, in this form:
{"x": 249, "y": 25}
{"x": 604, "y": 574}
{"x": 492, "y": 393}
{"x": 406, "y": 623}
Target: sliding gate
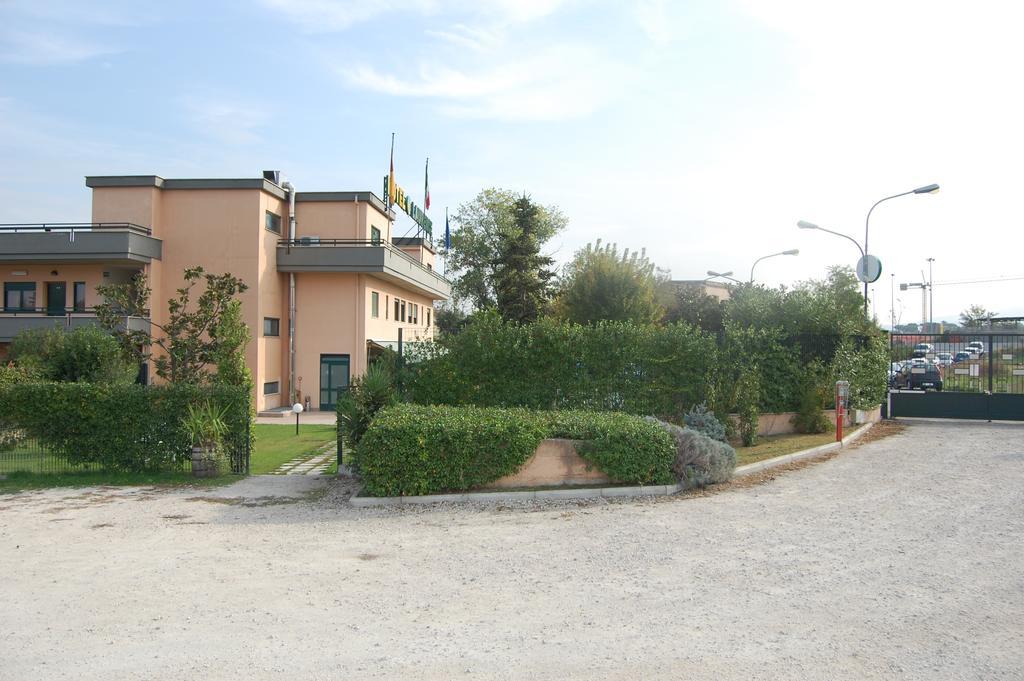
{"x": 985, "y": 383}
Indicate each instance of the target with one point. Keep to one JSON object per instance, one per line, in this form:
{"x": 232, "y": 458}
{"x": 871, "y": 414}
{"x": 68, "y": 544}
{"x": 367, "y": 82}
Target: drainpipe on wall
{"x": 293, "y": 398}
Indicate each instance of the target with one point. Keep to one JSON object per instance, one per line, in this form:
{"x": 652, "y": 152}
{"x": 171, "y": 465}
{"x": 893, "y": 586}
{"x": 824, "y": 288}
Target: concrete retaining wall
{"x": 554, "y": 463}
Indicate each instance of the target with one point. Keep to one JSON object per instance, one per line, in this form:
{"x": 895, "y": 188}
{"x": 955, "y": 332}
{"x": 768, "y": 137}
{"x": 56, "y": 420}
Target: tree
{"x": 479, "y": 226}
{"x": 230, "y": 336}
{"x": 692, "y": 305}
{"x": 976, "y": 316}
{"x": 522, "y": 278}
{"x": 830, "y": 306}
{"x": 193, "y": 336}
{"x": 599, "y": 284}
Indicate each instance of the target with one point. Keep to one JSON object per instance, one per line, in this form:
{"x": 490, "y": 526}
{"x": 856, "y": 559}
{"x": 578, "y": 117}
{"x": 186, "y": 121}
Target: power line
{"x": 978, "y": 281}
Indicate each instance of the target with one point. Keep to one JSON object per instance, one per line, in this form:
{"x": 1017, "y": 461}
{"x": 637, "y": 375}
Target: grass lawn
{"x": 277, "y": 444}
{"x": 23, "y": 480}
{"x": 770, "y": 446}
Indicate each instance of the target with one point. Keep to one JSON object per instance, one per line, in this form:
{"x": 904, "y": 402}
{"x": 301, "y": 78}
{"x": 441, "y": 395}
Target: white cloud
{"x": 226, "y": 121}
{"x": 46, "y": 48}
{"x": 326, "y": 16}
{"x": 558, "y": 83}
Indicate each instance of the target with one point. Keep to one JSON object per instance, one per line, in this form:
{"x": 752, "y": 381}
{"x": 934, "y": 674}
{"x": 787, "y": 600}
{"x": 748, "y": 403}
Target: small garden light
{"x": 296, "y": 409}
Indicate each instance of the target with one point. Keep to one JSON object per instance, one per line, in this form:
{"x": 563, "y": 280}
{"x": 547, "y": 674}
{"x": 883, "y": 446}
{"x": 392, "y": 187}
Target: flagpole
{"x": 391, "y": 190}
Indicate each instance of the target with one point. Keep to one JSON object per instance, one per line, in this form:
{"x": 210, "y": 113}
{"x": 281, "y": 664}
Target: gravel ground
{"x": 901, "y": 558}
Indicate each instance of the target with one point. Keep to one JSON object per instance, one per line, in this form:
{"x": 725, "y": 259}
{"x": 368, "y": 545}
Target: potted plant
{"x": 206, "y": 428}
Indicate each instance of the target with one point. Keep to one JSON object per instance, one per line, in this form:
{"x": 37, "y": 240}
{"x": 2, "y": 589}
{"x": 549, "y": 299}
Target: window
{"x": 273, "y": 222}
{"x": 403, "y": 311}
{"x": 397, "y": 301}
{"x": 374, "y": 304}
{"x": 428, "y": 318}
{"x": 374, "y": 234}
{"x": 79, "y": 296}
{"x": 272, "y": 388}
{"x": 414, "y": 315}
{"x": 20, "y": 296}
{"x": 271, "y": 326}
{"x": 386, "y": 303}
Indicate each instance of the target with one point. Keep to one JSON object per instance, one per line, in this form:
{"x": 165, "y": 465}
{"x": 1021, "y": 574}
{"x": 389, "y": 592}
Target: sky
{"x": 700, "y": 130}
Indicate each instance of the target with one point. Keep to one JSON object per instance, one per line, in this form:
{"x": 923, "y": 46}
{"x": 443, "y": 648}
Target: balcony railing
{"x": 380, "y": 258}
{"x": 15, "y": 320}
{"x": 307, "y": 242}
{"x": 97, "y": 242}
{"x": 72, "y": 227}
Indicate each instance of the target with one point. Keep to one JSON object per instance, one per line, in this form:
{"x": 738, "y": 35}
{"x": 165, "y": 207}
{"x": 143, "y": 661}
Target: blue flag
{"x": 447, "y": 233}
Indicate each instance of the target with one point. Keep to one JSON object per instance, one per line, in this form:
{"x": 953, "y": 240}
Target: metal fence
{"x": 22, "y": 453}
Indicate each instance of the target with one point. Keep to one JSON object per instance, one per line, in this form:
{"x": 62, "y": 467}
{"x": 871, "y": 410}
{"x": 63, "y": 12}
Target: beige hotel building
{"x": 330, "y": 285}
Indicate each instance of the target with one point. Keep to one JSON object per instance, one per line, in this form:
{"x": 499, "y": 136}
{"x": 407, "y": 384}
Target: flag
{"x": 426, "y": 186}
{"x": 391, "y": 174}
{"x": 447, "y": 233}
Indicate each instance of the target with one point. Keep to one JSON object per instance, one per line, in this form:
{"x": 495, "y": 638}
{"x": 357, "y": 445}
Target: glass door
{"x": 56, "y": 297}
{"x": 334, "y": 375}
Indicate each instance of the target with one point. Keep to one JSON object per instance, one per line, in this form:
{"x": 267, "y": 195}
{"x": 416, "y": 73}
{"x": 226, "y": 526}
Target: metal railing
{"x": 313, "y": 242}
{"x": 72, "y": 227}
{"x": 51, "y": 312}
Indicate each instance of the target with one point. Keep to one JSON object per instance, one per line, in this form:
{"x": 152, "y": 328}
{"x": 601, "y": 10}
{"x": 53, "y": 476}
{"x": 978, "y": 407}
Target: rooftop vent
{"x": 272, "y": 175}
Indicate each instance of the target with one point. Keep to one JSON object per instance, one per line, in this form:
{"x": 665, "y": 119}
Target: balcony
{"x": 353, "y": 255}
{"x": 14, "y": 321}
{"x": 116, "y": 243}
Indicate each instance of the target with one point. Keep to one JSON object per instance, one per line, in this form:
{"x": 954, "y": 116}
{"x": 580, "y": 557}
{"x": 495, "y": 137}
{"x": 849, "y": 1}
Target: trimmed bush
{"x": 699, "y": 460}
{"x": 701, "y": 419}
{"x": 413, "y": 449}
{"x": 122, "y": 427}
{"x": 624, "y": 447}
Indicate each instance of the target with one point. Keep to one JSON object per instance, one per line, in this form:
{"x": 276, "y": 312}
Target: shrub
{"x": 624, "y": 447}
{"x": 412, "y": 449}
{"x": 86, "y": 354}
{"x": 701, "y": 419}
{"x": 699, "y": 460}
{"x": 810, "y": 417}
{"x": 123, "y": 427}
{"x": 748, "y": 393}
{"x": 367, "y": 395}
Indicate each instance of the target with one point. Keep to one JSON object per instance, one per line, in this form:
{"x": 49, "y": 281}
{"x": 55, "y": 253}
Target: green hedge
{"x": 609, "y": 366}
{"x": 619, "y": 366}
{"x": 414, "y": 449}
{"x": 122, "y": 427}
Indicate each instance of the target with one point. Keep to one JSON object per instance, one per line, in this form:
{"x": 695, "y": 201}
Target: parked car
{"x": 894, "y": 370}
{"x": 919, "y": 377}
{"x": 976, "y": 347}
{"x": 924, "y": 348}
{"x": 944, "y": 359}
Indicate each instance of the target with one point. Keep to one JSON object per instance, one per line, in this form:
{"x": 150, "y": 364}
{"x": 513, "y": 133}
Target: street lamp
{"x": 927, "y": 189}
{"x": 724, "y": 275}
{"x": 803, "y": 224}
{"x": 792, "y": 251}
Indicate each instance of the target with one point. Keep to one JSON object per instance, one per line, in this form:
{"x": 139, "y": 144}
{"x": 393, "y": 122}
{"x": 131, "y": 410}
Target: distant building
{"x": 716, "y": 289}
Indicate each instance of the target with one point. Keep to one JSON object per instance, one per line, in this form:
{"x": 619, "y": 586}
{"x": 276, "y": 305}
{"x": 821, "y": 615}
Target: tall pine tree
{"x": 522, "y": 276}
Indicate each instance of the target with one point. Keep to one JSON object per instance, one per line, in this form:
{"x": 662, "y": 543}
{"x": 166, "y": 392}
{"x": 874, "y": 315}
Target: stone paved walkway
{"x": 306, "y": 464}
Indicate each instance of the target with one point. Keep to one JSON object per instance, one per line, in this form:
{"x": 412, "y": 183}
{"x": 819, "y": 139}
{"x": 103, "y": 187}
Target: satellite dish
{"x": 869, "y": 269}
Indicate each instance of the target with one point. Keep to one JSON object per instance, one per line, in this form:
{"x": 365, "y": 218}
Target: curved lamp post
{"x": 792, "y": 251}
{"x": 803, "y": 224}
{"x": 927, "y": 189}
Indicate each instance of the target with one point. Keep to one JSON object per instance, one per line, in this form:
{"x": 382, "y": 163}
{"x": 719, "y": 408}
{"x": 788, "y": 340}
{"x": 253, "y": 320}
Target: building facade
{"x": 329, "y": 285}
